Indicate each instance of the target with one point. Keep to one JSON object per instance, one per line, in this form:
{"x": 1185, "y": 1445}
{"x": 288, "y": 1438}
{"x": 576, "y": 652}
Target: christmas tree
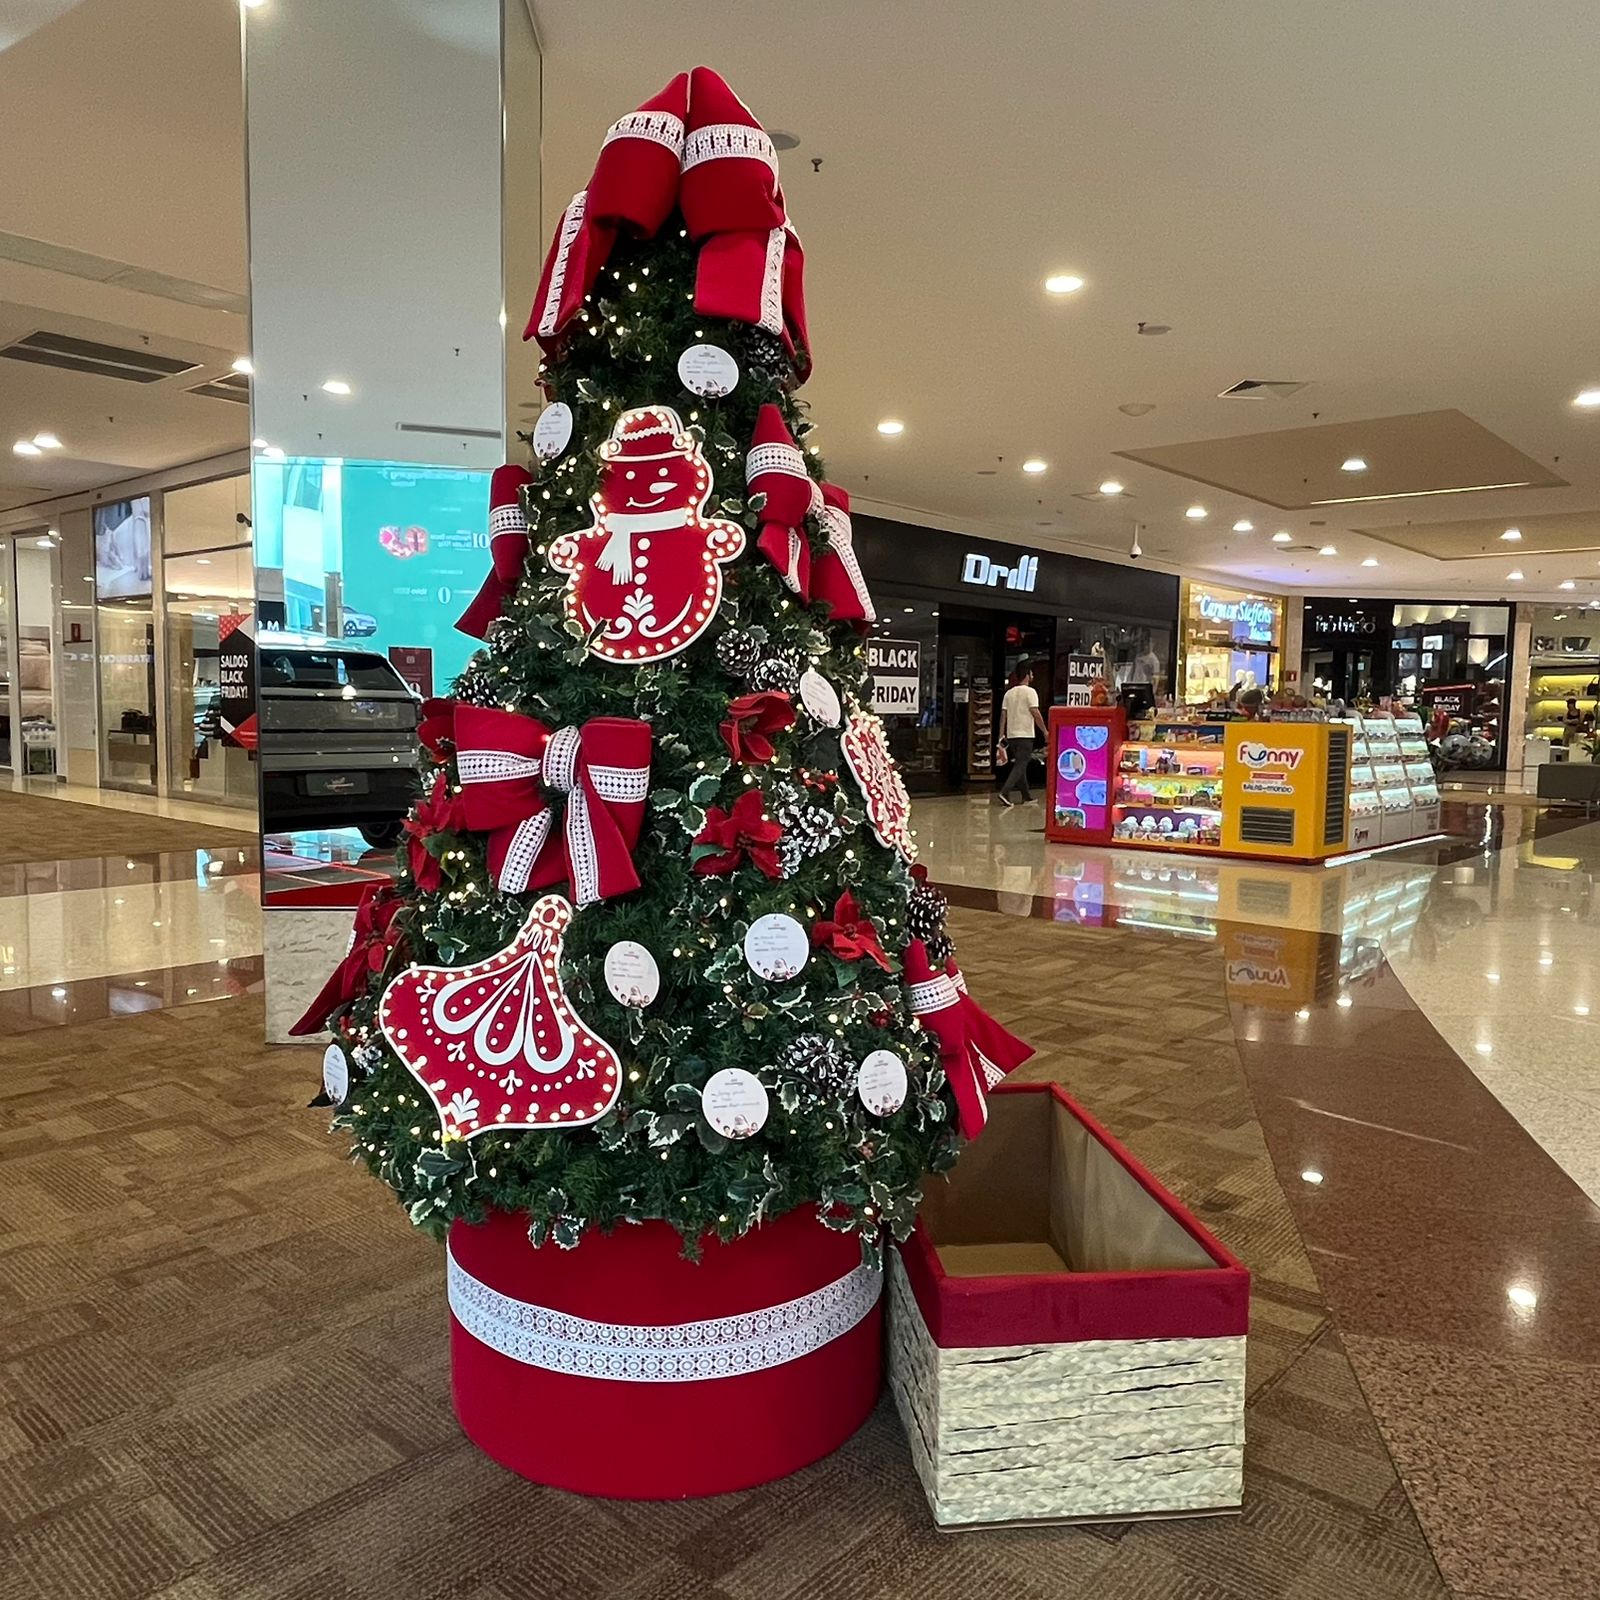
{"x": 657, "y": 948}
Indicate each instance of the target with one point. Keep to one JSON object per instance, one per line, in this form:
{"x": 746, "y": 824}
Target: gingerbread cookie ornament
{"x": 647, "y": 574}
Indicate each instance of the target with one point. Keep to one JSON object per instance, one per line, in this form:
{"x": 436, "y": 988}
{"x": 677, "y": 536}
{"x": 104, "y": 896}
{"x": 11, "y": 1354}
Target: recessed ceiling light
{"x": 47, "y": 441}
{"x": 1514, "y": 575}
{"x": 1569, "y": 584}
{"x": 1244, "y": 525}
{"x": 45, "y": 544}
{"x": 1311, "y": 1175}
{"x": 1282, "y": 536}
{"x": 1034, "y": 465}
{"x": 258, "y": 444}
{"x": 890, "y": 427}
{"x": 1353, "y": 464}
{"x": 245, "y": 365}
{"x": 335, "y": 386}
{"x": 1512, "y": 534}
{"x": 1587, "y": 398}
{"x": 1371, "y": 561}
{"x": 1522, "y": 1297}
{"x": 273, "y": 452}
{"x": 1062, "y": 283}
{"x": 1111, "y": 486}
{"x": 26, "y": 447}
{"x": 1196, "y": 513}
{"x": 1328, "y": 550}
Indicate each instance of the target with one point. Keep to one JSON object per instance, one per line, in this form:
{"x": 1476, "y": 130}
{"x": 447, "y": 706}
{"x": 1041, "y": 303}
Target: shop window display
{"x": 125, "y": 636}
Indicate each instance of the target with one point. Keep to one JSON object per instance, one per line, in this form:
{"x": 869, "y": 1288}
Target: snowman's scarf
{"x": 617, "y": 557}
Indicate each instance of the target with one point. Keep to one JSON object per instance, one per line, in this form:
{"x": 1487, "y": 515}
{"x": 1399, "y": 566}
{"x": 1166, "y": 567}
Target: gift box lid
{"x": 1050, "y": 1232}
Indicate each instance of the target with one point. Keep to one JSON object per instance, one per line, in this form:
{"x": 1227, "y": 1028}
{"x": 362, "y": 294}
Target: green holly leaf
{"x": 437, "y": 1164}
{"x": 758, "y": 502}
{"x": 704, "y": 788}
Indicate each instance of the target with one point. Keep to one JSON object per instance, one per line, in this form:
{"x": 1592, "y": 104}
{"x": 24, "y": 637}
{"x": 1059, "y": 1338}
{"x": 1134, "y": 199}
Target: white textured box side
{"x": 1101, "y": 1429}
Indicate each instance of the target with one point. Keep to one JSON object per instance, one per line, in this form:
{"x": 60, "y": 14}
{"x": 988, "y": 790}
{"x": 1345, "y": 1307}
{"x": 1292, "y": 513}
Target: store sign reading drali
{"x": 987, "y": 574}
{"x": 1253, "y": 613}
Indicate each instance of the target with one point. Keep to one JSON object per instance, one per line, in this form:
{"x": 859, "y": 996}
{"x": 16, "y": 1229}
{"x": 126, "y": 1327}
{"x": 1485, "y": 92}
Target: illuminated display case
{"x": 1227, "y": 635}
{"x": 1394, "y": 795}
{"x": 1168, "y": 789}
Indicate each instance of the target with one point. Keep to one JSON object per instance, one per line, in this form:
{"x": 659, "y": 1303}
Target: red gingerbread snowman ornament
{"x": 648, "y": 573}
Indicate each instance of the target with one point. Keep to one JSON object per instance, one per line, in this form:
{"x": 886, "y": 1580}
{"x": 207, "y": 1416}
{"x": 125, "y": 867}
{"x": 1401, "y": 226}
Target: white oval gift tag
{"x": 881, "y": 1083}
{"x": 552, "y": 433}
{"x": 776, "y": 946}
{"x": 820, "y": 698}
{"x": 335, "y": 1074}
{"x": 632, "y": 975}
{"x": 708, "y": 370}
{"x": 735, "y": 1102}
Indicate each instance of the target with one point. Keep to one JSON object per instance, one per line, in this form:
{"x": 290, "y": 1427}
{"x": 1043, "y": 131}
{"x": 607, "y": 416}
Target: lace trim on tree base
{"x": 676, "y": 1352}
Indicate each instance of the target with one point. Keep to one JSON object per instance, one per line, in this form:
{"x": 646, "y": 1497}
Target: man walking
{"x": 1020, "y": 723}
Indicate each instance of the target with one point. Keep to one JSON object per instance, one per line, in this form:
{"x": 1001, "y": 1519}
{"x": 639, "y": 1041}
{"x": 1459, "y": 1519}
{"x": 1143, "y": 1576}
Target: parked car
{"x": 338, "y": 740}
{"x": 359, "y": 624}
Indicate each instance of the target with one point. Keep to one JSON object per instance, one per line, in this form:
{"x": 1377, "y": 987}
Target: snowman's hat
{"x": 650, "y": 433}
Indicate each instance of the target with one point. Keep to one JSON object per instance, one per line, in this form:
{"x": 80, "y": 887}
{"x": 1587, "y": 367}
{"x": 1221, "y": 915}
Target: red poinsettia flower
{"x": 373, "y": 936}
{"x": 441, "y": 812}
{"x": 740, "y": 834}
{"x": 751, "y": 718}
{"x": 850, "y": 935}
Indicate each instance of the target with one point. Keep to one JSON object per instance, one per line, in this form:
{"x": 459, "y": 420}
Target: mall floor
{"x": 222, "y": 1351}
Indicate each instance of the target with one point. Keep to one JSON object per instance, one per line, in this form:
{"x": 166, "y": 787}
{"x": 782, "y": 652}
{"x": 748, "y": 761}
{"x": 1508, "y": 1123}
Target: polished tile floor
{"x": 1377, "y": 1080}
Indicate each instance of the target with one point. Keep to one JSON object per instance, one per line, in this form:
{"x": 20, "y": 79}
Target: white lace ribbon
{"x": 674, "y": 1352}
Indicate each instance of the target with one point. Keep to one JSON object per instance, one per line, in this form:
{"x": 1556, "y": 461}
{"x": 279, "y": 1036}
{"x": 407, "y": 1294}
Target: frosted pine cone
{"x": 820, "y": 1062}
{"x": 738, "y": 653}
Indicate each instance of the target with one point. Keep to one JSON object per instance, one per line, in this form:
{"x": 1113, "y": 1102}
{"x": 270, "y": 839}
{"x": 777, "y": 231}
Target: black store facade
{"x": 959, "y": 614}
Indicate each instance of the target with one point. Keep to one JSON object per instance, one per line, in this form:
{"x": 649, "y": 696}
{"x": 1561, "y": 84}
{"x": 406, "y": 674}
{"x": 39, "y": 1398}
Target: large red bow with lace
{"x": 695, "y": 146}
{"x": 372, "y": 937}
{"x": 508, "y": 551}
{"x": 508, "y": 765}
{"x": 975, "y": 1051}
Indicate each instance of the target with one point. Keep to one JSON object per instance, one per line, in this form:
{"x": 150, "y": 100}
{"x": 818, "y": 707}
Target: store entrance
{"x": 978, "y": 652}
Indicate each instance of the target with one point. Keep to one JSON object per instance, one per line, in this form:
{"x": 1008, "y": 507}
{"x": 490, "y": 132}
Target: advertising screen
{"x": 1083, "y": 776}
{"x": 122, "y": 549}
{"x": 382, "y": 554}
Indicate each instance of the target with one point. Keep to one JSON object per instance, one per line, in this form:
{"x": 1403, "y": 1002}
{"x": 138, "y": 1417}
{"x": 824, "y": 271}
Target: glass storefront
{"x": 1230, "y": 642}
{"x": 209, "y": 582}
{"x": 958, "y": 616}
{"x": 37, "y": 587}
{"x": 1563, "y": 683}
{"x": 125, "y": 636}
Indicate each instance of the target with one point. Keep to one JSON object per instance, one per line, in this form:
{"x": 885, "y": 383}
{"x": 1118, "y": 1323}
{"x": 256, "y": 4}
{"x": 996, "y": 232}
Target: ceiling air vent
{"x": 235, "y": 386}
{"x": 87, "y": 355}
{"x": 1260, "y": 388}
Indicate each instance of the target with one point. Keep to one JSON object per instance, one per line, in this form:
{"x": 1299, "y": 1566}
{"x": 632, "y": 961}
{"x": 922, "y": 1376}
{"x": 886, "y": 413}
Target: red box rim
{"x": 1057, "y": 1308}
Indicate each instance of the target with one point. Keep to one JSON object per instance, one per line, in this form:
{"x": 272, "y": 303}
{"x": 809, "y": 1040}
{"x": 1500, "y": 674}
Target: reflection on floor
{"x": 237, "y": 818}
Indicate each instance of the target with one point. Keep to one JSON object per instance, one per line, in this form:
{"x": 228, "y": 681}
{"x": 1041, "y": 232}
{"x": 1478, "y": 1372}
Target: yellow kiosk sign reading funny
{"x": 1285, "y": 789}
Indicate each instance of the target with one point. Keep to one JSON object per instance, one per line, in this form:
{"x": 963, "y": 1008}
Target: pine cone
{"x": 775, "y": 675}
{"x": 940, "y": 949}
{"x": 820, "y": 1062}
{"x": 925, "y": 912}
{"x": 738, "y": 653}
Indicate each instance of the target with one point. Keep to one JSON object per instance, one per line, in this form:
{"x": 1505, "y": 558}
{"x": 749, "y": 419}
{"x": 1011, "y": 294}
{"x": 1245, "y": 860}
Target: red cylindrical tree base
{"x": 785, "y": 1316}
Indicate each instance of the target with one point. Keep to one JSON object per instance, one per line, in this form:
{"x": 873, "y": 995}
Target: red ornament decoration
{"x": 508, "y": 762}
{"x": 497, "y": 1044}
{"x": 508, "y": 550}
{"x": 647, "y": 574}
{"x": 951, "y": 1016}
{"x": 836, "y": 577}
{"x": 751, "y": 718}
{"x": 888, "y": 805}
{"x": 740, "y": 834}
{"x": 372, "y": 937}
{"x": 849, "y": 934}
{"x": 696, "y": 146}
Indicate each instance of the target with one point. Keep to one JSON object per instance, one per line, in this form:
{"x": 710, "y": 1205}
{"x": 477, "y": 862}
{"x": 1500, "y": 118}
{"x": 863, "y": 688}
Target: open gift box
{"x": 1066, "y": 1342}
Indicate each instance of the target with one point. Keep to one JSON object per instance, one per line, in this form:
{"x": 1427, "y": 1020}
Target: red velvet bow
{"x": 508, "y": 763}
{"x": 371, "y": 939}
{"x": 740, "y": 834}
{"x": 751, "y": 718}
{"x": 775, "y": 468}
{"x": 836, "y": 577}
{"x": 508, "y": 551}
{"x": 695, "y": 146}
{"x": 967, "y": 1035}
{"x": 850, "y": 935}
